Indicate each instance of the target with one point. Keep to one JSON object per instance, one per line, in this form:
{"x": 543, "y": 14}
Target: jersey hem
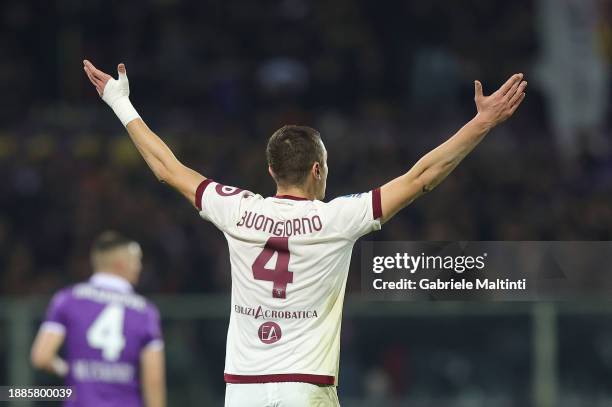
{"x": 52, "y": 326}
{"x": 200, "y": 191}
{"x": 376, "y": 204}
{"x": 155, "y": 344}
{"x": 279, "y": 378}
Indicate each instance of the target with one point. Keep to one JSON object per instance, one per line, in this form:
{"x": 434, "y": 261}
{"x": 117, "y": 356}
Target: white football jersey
{"x": 290, "y": 260}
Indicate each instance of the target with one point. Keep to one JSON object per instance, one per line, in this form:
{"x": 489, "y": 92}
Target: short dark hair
{"x": 291, "y": 152}
{"x": 108, "y": 241}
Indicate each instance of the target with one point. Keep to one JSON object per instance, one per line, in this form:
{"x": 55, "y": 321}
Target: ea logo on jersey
{"x": 269, "y": 332}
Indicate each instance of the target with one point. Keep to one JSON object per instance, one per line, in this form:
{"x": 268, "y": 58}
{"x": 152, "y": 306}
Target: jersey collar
{"x": 111, "y": 281}
{"x": 293, "y": 198}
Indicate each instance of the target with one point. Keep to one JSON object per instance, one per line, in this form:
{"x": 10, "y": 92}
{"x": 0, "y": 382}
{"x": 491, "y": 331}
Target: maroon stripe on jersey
{"x": 293, "y": 198}
{"x": 200, "y": 192}
{"x": 279, "y": 378}
{"x": 376, "y": 203}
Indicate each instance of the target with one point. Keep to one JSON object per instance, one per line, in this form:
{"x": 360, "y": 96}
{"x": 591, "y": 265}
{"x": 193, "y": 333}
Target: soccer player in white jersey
{"x": 290, "y": 253}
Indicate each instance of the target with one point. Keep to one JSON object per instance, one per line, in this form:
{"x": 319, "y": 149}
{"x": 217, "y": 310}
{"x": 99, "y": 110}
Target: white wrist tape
{"x": 116, "y": 94}
{"x": 125, "y": 111}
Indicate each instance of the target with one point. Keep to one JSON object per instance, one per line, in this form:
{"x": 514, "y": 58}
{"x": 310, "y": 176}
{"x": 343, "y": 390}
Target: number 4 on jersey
{"x": 106, "y": 333}
{"x": 280, "y": 275}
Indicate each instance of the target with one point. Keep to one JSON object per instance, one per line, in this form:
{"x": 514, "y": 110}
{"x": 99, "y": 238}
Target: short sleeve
{"x": 219, "y": 204}
{"x": 56, "y": 318}
{"x": 358, "y": 214}
{"x": 153, "y": 333}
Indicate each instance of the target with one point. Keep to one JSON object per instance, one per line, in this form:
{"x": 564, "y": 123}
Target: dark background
{"x": 384, "y": 82}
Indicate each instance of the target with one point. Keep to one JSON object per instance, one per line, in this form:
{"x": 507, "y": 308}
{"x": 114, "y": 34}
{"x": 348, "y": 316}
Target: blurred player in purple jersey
{"x": 113, "y": 343}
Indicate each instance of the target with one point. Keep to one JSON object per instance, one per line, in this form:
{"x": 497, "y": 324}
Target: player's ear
{"x": 271, "y": 172}
{"x": 316, "y": 170}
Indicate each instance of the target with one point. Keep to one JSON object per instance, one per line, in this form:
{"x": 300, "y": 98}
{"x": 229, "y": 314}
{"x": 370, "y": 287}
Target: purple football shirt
{"x": 106, "y": 327}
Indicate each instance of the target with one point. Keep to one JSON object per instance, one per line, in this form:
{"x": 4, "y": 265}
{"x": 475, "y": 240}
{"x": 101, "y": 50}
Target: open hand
{"x": 499, "y": 106}
{"x": 111, "y": 90}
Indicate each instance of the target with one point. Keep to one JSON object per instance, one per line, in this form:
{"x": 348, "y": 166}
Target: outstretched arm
{"x": 435, "y": 166}
{"x": 158, "y": 156}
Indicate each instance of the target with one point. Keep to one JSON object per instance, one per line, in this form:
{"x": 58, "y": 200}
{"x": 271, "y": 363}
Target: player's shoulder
{"x": 217, "y": 196}
{"x": 211, "y": 186}
{"x": 150, "y": 307}
{"x": 343, "y": 201}
{"x": 348, "y": 208}
{"x": 64, "y": 294}
{"x": 141, "y": 304}
{"x": 348, "y": 197}
{"x": 62, "y": 298}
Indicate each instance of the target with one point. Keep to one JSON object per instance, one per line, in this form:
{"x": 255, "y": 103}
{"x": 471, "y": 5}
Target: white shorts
{"x": 286, "y": 394}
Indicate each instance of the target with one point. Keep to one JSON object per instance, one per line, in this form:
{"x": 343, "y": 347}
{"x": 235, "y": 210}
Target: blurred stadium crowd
{"x": 382, "y": 84}
{"x": 215, "y": 79}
